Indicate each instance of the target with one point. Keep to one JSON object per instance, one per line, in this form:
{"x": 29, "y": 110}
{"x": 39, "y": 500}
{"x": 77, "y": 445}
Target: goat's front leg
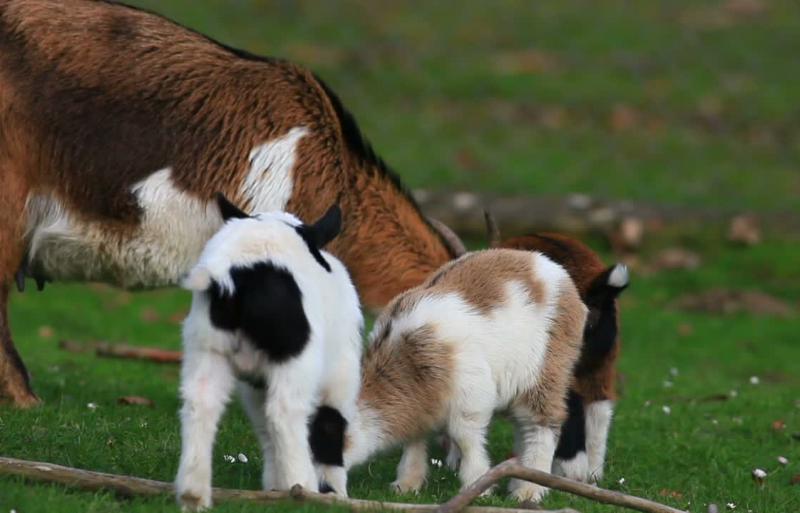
{"x": 289, "y": 404}
{"x": 206, "y": 385}
{"x": 598, "y": 423}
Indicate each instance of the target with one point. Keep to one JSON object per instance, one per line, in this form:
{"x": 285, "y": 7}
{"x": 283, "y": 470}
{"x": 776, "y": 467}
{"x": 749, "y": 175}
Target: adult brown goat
{"x": 117, "y": 129}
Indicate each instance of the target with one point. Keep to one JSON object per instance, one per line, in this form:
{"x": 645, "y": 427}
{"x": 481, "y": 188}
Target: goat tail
{"x": 608, "y": 285}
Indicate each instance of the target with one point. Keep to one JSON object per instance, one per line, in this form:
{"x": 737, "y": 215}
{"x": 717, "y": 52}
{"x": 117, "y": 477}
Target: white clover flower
{"x": 622, "y": 480}
{"x": 667, "y": 383}
{"x": 674, "y": 371}
{"x": 91, "y": 406}
{"x": 714, "y": 421}
{"x": 757, "y": 472}
{"x": 242, "y": 458}
{"x": 666, "y": 409}
{"x": 229, "y": 458}
{"x": 754, "y": 380}
{"x": 647, "y": 403}
{"x": 436, "y": 463}
{"x": 782, "y": 460}
{"x": 731, "y": 505}
{"x": 734, "y": 393}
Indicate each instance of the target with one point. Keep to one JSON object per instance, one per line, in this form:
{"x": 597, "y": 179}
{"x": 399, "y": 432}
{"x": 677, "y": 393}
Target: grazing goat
{"x": 582, "y": 447}
{"x": 492, "y": 330}
{"x": 118, "y": 126}
{"x": 274, "y": 310}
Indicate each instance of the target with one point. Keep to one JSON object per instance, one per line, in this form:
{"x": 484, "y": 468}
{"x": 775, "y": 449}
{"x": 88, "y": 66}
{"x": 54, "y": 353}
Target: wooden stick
{"x": 153, "y": 354}
{"x": 113, "y": 350}
{"x": 128, "y": 486}
{"x": 511, "y": 468}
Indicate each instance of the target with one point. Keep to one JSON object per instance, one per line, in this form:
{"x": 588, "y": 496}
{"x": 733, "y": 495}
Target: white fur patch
{"x": 269, "y": 183}
{"x": 619, "y": 276}
{"x": 174, "y": 228}
{"x": 598, "y": 423}
{"x": 576, "y": 468}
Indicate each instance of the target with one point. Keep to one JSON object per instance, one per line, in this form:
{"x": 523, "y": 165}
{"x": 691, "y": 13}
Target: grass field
{"x": 682, "y": 102}
{"x": 703, "y": 449}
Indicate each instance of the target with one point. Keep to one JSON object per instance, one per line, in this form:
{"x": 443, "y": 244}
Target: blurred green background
{"x": 689, "y": 103}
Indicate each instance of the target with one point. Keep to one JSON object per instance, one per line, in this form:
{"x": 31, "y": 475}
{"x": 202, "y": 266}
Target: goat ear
{"x": 228, "y": 209}
{"x": 327, "y": 227}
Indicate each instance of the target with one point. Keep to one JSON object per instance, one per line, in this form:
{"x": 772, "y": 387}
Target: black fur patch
{"x": 599, "y": 337}
{"x": 326, "y": 436}
{"x": 324, "y": 230}
{"x": 573, "y": 431}
{"x": 326, "y": 488}
{"x": 267, "y": 308}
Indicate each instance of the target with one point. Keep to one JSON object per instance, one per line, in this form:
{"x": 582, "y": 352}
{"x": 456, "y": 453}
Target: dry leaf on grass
{"x": 778, "y": 425}
{"x": 744, "y": 230}
{"x": 178, "y": 316}
{"x": 684, "y": 329}
{"x": 45, "y": 331}
{"x": 725, "y": 301}
{"x": 135, "y": 399}
{"x": 148, "y": 314}
{"x": 795, "y": 479}
{"x": 673, "y": 259}
{"x": 665, "y": 492}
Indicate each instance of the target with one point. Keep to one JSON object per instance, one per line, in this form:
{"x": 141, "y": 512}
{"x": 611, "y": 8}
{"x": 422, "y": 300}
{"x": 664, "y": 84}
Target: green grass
{"x": 704, "y": 449}
{"x": 520, "y": 96}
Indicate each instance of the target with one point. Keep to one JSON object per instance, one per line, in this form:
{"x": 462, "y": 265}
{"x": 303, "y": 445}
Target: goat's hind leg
{"x": 536, "y": 436}
{"x": 253, "y": 401}
{"x": 413, "y": 467}
{"x": 14, "y": 380}
{"x": 206, "y": 384}
{"x": 289, "y": 405}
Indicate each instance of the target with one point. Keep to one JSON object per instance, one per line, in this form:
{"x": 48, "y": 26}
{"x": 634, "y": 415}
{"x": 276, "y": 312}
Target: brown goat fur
{"x": 100, "y": 102}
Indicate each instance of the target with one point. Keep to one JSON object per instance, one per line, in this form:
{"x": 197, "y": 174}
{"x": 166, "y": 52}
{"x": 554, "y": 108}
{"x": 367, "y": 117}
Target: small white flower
{"x": 667, "y": 384}
{"x": 622, "y": 480}
{"x": 674, "y": 371}
{"x": 229, "y": 458}
{"x": 757, "y": 472}
{"x": 13, "y": 511}
{"x": 782, "y": 460}
{"x": 91, "y": 406}
{"x": 242, "y": 458}
{"x": 734, "y": 393}
{"x": 731, "y": 505}
{"x": 754, "y": 380}
{"x": 647, "y": 403}
{"x": 666, "y": 409}
{"x": 714, "y": 421}
{"x": 436, "y": 463}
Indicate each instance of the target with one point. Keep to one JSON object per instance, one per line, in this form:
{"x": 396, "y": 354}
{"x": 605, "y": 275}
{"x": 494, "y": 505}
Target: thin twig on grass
{"x": 114, "y": 350}
{"x": 511, "y": 468}
{"x": 128, "y": 486}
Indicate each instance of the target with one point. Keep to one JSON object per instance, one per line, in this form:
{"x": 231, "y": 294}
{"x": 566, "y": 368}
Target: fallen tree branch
{"x": 128, "y": 486}
{"x": 511, "y": 468}
{"x": 114, "y": 350}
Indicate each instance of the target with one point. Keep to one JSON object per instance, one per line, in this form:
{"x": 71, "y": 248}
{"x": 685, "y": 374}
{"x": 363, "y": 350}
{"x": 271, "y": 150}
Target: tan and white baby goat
{"x": 492, "y": 330}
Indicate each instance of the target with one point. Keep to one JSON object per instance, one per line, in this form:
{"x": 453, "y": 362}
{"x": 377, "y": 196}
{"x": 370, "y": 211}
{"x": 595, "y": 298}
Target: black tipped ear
{"x": 228, "y": 209}
{"x": 327, "y": 227}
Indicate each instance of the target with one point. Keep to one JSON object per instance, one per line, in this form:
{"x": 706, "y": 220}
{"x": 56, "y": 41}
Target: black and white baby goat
{"x": 273, "y": 311}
